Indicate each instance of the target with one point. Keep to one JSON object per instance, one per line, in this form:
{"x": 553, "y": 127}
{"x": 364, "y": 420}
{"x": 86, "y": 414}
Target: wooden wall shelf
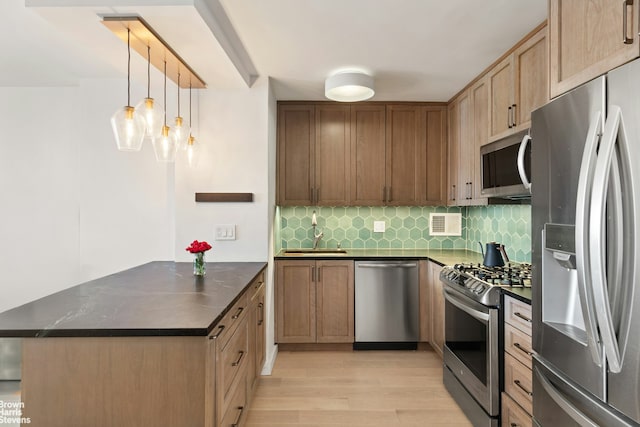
{"x": 224, "y": 197}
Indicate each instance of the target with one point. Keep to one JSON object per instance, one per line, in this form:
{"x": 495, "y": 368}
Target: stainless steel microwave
{"x": 506, "y": 167}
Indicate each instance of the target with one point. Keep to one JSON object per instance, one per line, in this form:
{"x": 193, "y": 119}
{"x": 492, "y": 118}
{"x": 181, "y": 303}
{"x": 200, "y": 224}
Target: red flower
{"x": 196, "y": 247}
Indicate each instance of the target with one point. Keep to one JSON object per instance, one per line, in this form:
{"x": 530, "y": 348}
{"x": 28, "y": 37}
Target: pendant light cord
{"x": 178, "y": 94}
{"x": 128, "y": 66}
{"x": 165, "y": 93}
{"x": 189, "y": 104}
{"x": 148, "y": 71}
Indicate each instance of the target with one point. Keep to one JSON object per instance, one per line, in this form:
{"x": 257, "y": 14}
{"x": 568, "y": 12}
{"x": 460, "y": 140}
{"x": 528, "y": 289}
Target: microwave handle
{"x": 521, "y": 152}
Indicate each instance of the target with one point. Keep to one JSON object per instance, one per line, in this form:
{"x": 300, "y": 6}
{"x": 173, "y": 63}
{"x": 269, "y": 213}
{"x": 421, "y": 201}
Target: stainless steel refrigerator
{"x": 586, "y": 254}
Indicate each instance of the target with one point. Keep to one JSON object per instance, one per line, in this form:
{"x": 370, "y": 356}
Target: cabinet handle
{"x": 384, "y": 194}
{"x": 513, "y": 115}
{"x": 469, "y": 192}
{"x": 625, "y": 7}
{"x": 388, "y": 194}
{"x": 220, "y": 329}
{"x": 318, "y": 274}
{"x": 522, "y": 349}
{"x": 509, "y": 117}
{"x": 525, "y": 318}
{"x": 237, "y": 362}
{"x": 261, "y": 319}
{"x": 317, "y": 196}
{"x": 514, "y": 425}
{"x": 517, "y": 383}
{"x": 238, "y": 313}
{"x": 237, "y": 422}
{"x": 258, "y": 284}
{"x": 453, "y": 192}
{"x": 313, "y": 274}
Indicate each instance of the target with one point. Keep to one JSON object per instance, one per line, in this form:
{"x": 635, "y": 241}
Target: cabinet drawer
{"x": 518, "y": 344}
{"x": 256, "y": 286}
{"x": 518, "y": 382}
{"x": 513, "y": 415}
{"x": 224, "y": 329}
{"x": 236, "y": 412}
{"x": 232, "y": 360}
{"x": 518, "y": 314}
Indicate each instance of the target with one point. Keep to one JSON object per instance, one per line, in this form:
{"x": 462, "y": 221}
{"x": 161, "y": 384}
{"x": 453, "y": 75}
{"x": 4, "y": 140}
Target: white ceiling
{"x": 417, "y": 50}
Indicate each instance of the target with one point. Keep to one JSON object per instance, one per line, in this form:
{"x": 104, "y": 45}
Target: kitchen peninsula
{"x": 148, "y": 346}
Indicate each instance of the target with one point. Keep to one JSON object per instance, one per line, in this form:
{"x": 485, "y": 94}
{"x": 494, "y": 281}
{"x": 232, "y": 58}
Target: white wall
{"x": 232, "y": 130}
{"x": 73, "y": 207}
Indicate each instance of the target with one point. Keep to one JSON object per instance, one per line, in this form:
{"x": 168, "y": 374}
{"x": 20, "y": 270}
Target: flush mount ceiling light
{"x": 349, "y": 87}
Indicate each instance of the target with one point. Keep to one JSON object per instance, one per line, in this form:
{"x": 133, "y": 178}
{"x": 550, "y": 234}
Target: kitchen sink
{"x": 315, "y": 251}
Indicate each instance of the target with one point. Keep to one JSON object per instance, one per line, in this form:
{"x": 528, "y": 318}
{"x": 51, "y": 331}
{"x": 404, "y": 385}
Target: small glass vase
{"x": 199, "y": 264}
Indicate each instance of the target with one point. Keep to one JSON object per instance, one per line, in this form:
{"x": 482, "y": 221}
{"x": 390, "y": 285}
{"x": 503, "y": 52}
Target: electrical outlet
{"x": 225, "y": 232}
{"x": 378, "y": 226}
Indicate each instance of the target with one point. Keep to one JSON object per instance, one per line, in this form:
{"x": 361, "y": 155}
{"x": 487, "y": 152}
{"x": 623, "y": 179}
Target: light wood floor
{"x": 372, "y": 388}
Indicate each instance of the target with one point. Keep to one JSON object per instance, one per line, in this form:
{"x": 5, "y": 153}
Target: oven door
{"x": 471, "y": 348}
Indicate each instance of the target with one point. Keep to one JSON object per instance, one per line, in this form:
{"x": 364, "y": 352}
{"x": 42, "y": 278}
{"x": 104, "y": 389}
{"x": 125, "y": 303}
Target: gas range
{"x": 482, "y": 283}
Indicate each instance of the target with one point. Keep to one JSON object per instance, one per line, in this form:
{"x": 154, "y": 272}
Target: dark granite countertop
{"x": 161, "y": 298}
{"x": 439, "y": 256}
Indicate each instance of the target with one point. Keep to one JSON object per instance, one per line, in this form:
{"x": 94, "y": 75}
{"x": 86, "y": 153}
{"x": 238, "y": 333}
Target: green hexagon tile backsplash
{"x": 406, "y": 228}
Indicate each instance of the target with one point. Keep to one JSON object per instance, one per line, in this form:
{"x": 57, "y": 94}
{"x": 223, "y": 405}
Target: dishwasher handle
{"x": 385, "y": 265}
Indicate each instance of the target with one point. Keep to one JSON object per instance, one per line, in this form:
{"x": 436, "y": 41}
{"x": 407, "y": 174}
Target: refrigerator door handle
{"x": 585, "y": 181}
{"x": 521, "y": 170}
{"x": 563, "y": 403}
{"x": 614, "y": 129}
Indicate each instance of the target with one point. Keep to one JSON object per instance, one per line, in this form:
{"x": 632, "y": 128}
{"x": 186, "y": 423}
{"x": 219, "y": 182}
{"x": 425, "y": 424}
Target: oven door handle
{"x": 459, "y": 303}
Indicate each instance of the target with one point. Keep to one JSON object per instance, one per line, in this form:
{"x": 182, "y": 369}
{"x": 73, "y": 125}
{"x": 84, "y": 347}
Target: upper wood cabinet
{"x": 296, "y": 163}
{"x": 416, "y": 148}
{"x": 361, "y": 154}
{"x": 589, "y": 38}
{"x": 368, "y": 181}
{"x": 314, "y": 154}
{"x": 518, "y": 85}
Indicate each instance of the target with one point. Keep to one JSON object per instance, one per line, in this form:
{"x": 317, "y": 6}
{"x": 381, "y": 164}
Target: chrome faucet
{"x": 316, "y": 236}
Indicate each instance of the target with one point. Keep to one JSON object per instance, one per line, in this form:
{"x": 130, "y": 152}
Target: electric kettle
{"x": 493, "y": 255}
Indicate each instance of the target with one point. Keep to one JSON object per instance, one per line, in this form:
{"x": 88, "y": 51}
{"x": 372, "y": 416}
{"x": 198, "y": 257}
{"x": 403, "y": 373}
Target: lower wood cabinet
{"x": 235, "y": 358}
{"x": 314, "y": 301}
{"x": 517, "y": 398}
{"x": 431, "y": 306}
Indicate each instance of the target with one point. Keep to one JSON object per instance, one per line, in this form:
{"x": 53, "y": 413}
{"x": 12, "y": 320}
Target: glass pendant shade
{"x": 128, "y": 128}
{"x": 153, "y": 114}
{"x": 165, "y": 146}
{"x": 192, "y": 151}
{"x": 181, "y": 132}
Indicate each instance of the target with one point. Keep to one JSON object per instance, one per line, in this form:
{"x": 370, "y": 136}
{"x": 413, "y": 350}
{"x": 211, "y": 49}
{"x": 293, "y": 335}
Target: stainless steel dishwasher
{"x": 387, "y": 306}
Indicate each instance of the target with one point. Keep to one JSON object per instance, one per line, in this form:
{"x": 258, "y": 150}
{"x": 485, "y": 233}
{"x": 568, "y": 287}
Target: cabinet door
{"x": 453, "y": 153}
{"x": 433, "y": 175}
{"x": 404, "y": 146}
{"x": 586, "y": 39}
{"x": 332, "y": 155}
{"x": 257, "y": 350}
{"x": 425, "y": 300}
{"x": 480, "y": 99}
{"x": 501, "y": 98}
{"x": 531, "y": 78}
{"x": 335, "y": 301}
{"x": 295, "y": 302}
{"x": 460, "y": 150}
{"x": 296, "y": 139}
{"x": 367, "y": 155}
{"x": 437, "y": 308}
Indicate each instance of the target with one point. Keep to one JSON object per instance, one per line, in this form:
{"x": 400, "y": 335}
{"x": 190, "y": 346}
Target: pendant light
{"x": 192, "y": 147}
{"x": 149, "y": 109}
{"x": 165, "y": 146}
{"x": 180, "y": 130}
{"x": 128, "y": 127}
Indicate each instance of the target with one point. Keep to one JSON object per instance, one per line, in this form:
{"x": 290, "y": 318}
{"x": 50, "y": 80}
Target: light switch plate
{"x": 378, "y": 226}
{"x": 225, "y": 232}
